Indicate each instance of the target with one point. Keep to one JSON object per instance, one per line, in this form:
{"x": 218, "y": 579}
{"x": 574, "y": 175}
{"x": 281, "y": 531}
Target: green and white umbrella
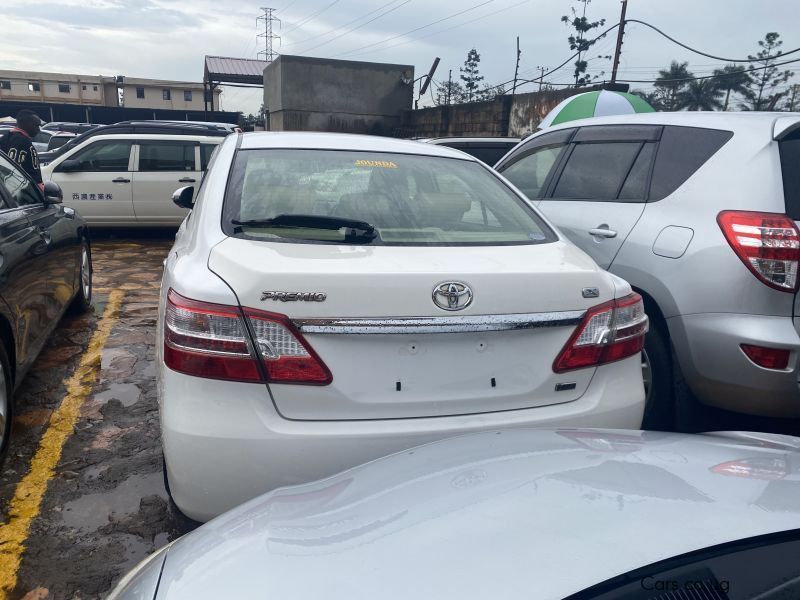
{"x": 595, "y": 104}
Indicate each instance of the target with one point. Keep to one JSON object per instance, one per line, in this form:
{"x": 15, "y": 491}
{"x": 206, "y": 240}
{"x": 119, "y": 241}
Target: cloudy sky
{"x": 167, "y": 39}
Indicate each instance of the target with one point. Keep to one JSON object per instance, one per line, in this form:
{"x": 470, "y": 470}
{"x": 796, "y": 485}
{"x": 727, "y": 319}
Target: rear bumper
{"x": 224, "y": 443}
{"x": 719, "y": 373}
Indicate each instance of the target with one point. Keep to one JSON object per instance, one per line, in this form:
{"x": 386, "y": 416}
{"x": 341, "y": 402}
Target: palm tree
{"x": 731, "y": 79}
{"x": 701, "y": 94}
{"x": 670, "y": 82}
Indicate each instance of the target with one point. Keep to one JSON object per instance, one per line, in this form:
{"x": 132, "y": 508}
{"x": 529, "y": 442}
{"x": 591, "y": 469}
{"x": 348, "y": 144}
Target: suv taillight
{"x": 767, "y": 243}
{"x": 607, "y": 333}
{"x": 212, "y": 341}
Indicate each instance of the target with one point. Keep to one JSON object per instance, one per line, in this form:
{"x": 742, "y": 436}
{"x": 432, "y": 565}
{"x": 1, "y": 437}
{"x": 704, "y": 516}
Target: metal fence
{"x": 105, "y": 115}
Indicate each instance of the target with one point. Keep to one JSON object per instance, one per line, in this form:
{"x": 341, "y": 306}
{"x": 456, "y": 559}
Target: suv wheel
{"x": 6, "y": 404}
{"x": 658, "y": 380}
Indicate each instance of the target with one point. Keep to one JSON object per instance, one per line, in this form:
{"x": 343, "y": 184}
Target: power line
{"x": 315, "y": 37}
{"x": 394, "y": 37}
{"x": 722, "y": 75}
{"x": 438, "y": 31}
{"x": 673, "y": 40}
{"x": 311, "y": 16}
{"x": 359, "y": 26}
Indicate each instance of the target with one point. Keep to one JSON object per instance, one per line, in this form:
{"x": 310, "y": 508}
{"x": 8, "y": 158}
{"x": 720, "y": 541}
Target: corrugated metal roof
{"x": 235, "y": 70}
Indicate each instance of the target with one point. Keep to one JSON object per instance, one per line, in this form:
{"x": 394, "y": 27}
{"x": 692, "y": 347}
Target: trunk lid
{"x": 373, "y": 329}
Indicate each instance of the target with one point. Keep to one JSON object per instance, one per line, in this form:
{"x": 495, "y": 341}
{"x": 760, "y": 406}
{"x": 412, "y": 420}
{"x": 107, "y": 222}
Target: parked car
{"x": 139, "y": 127}
{"x": 46, "y": 268}
{"x": 698, "y": 211}
{"x": 58, "y": 139}
{"x": 75, "y": 128}
{"x": 311, "y": 321}
{"x": 487, "y": 149}
{"x": 517, "y": 514}
{"x": 128, "y": 179}
{"x": 41, "y": 140}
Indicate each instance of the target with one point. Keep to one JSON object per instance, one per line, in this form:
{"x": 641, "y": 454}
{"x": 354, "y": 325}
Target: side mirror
{"x": 184, "y": 197}
{"x": 53, "y": 193}
{"x": 69, "y": 166}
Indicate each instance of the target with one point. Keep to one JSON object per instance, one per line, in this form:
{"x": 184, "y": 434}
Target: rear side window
{"x": 166, "y": 156}
{"x": 206, "y": 150}
{"x": 596, "y": 171}
{"x": 790, "y": 166}
{"x": 682, "y": 151}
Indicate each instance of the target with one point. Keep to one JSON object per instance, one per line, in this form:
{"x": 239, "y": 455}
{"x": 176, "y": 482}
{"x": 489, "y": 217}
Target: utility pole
{"x": 449, "y": 86}
{"x": 269, "y": 36}
{"x": 620, "y": 33}
{"x": 541, "y": 77}
{"x": 516, "y": 70}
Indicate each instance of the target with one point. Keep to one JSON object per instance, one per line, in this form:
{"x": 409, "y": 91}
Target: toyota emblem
{"x": 452, "y": 295}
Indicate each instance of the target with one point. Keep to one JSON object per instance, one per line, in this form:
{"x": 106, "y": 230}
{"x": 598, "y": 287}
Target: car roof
{"x": 498, "y": 514}
{"x": 487, "y": 138}
{"x": 345, "y": 141}
{"x": 710, "y": 119}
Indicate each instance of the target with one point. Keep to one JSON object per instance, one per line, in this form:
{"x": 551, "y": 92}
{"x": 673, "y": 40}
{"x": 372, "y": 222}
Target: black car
{"x": 45, "y": 270}
{"x": 187, "y": 128}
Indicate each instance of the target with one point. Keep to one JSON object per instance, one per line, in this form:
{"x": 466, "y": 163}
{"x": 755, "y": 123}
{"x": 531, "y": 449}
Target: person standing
{"x": 18, "y": 144}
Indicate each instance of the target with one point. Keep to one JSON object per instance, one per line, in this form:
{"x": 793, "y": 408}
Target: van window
{"x": 681, "y": 152}
{"x": 166, "y": 156}
{"x": 104, "y": 156}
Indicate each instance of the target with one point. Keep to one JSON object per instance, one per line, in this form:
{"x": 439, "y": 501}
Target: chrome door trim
{"x": 461, "y": 324}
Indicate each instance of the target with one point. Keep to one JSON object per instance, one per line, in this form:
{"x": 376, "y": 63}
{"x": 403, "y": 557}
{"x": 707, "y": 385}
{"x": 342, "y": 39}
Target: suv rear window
{"x": 407, "y": 199}
{"x": 790, "y": 166}
{"x": 681, "y": 152}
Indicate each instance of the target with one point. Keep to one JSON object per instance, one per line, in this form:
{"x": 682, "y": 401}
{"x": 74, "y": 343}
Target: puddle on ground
{"x": 92, "y": 511}
{"x": 127, "y": 393}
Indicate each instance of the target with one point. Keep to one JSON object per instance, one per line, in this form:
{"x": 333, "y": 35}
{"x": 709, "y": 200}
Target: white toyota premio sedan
{"x": 332, "y": 299}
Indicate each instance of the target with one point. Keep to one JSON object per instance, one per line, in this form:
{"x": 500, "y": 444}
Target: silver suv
{"x": 699, "y": 212}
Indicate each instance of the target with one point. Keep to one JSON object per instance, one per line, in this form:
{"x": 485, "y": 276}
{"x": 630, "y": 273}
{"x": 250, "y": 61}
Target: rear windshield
{"x": 405, "y": 199}
{"x": 790, "y": 166}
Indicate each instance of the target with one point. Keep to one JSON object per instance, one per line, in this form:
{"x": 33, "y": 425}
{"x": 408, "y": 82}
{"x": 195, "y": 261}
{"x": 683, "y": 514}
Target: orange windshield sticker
{"x": 381, "y": 164}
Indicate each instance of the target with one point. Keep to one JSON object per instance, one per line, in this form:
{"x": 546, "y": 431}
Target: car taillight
{"x": 212, "y": 341}
{"x": 607, "y": 333}
{"x": 767, "y": 243}
{"x": 769, "y": 358}
{"x": 764, "y": 468}
{"x": 285, "y": 354}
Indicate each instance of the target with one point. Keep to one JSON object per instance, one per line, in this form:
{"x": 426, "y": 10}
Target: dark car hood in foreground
{"x": 512, "y": 514}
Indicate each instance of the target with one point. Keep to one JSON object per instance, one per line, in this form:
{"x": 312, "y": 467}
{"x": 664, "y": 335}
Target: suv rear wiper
{"x": 354, "y": 230}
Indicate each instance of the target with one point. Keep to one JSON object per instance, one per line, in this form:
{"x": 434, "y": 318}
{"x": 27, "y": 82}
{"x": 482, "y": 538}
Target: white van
{"x": 128, "y": 179}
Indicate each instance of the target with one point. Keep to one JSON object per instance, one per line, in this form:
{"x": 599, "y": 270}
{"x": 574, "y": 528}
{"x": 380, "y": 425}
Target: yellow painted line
{"x": 27, "y": 501}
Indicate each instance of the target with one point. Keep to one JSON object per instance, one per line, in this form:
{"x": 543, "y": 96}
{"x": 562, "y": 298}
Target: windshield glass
{"x": 407, "y": 199}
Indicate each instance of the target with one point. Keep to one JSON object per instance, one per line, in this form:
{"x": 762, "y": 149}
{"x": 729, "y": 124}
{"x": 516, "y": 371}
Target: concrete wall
{"x": 504, "y": 116}
{"x": 315, "y": 94}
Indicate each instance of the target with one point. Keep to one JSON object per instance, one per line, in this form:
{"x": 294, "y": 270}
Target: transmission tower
{"x": 269, "y": 36}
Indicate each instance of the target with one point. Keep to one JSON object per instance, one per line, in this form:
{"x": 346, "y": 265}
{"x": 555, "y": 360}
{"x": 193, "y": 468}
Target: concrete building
{"x": 174, "y": 95}
{"x": 98, "y": 90}
{"x": 321, "y": 94}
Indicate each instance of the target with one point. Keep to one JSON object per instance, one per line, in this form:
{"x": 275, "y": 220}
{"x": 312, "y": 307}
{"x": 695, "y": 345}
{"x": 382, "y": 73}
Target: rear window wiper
{"x": 355, "y": 231}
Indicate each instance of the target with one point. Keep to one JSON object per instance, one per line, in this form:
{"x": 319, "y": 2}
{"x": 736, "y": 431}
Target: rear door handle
{"x": 121, "y": 180}
{"x": 187, "y": 180}
{"x": 603, "y": 232}
{"x": 44, "y": 235}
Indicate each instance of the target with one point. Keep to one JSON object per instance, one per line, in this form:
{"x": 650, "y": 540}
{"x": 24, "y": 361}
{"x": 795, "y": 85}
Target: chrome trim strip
{"x": 416, "y": 325}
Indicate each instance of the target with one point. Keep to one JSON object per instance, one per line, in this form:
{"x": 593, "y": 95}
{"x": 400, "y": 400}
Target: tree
{"x": 701, "y": 94}
{"x": 792, "y": 99}
{"x": 579, "y": 42}
{"x": 490, "y": 92}
{"x": 761, "y": 93}
{"x": 450, "y": 92}
{"x": 653, "y": 98}
{"x": 731, "y": 79}
{"x": 471, "y": 76}
{"x": 669, "y": 84}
